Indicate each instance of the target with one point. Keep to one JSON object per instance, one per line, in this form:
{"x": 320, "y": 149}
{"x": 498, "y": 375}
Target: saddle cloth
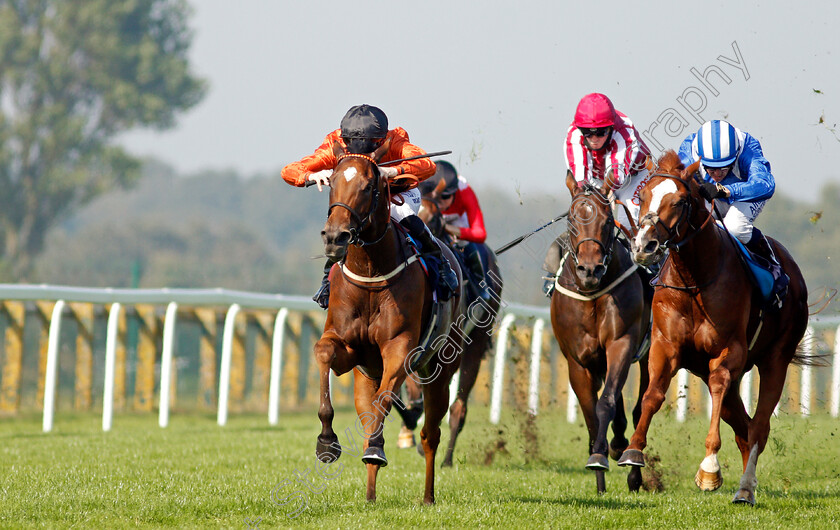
{"x": 762, "y": 278}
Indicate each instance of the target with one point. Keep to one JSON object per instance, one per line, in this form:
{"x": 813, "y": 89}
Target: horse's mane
{"x": 670, "y": 162}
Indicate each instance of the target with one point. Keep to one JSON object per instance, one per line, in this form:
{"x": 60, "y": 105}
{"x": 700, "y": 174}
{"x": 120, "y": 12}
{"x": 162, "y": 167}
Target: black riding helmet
{"x": 445, "y": 171}
{"x": 363, "y": 128}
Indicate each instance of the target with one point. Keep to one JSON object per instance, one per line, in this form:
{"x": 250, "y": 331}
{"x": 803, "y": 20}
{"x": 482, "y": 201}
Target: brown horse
{"x": 477, "y": 327}
{"x": 380, "y": 302}
{"x": 600, "y": 316}
{"x": 707, "y": 320}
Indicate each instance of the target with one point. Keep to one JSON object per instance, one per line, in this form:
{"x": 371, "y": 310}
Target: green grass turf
{"x": 195, "y": 474}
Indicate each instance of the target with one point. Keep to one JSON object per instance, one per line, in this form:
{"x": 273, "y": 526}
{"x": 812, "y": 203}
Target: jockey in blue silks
{"x": 737, "y": 177}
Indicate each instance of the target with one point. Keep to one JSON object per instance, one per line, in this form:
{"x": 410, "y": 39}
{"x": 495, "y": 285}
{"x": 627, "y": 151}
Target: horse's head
{"x": 359, "y": 202}
{"x": 430, "y": 212}
{"x": 591, "y": 233}
{"x": 669, "y": 202}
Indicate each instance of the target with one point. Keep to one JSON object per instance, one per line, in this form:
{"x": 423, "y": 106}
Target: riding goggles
{"x": 593, "y": 131}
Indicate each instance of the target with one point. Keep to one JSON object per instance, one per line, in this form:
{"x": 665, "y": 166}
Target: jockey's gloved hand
{"x": 712, "y": 190}
{"x": 321, "y": 178}
{"x": 388, "y": 172}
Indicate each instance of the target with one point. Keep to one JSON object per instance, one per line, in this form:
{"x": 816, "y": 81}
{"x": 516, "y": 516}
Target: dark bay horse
{"x": 707, "y": 320}
{"x": 600, "y": 318}
{"x": 477, "y": 327}
{"x": 380, "y": 301}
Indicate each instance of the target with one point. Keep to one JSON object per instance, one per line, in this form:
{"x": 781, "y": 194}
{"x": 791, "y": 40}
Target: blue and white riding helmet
{"x": 717, "y": 143}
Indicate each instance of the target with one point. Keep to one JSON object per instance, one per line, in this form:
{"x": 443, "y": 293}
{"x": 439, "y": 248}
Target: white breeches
{"x": 629, "y": 195}
{"x": 410, "y": 206}
{"x": 738, "y": 217}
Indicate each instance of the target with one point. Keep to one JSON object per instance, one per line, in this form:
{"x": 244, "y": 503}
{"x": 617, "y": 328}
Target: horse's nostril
{"x": 343, "y": 238}
{"x": 651, "y": 246}
{"x": 599, "y": 271}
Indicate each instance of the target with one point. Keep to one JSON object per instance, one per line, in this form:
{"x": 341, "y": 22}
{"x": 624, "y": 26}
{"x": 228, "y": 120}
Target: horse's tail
{"x": 804, "y": 357}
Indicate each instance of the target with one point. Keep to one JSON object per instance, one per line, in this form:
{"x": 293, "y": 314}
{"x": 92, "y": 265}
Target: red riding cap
{"x": 594, "y": 110}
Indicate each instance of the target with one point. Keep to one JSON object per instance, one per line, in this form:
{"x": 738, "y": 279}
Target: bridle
{"x": 606, "y": 247}
{"x": 652, "y": 219}
{"x": 673, "y": 232}
{"x": 363, "y": 223}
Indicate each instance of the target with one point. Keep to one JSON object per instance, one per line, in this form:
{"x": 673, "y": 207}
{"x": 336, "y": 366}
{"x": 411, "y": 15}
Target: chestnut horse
{"x": 600, "y": 317}
{"x": 707, "y": 320}
{"x": 380, "y": 302}
{"x": 477, "y": 327}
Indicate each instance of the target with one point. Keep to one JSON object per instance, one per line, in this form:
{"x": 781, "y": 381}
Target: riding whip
{"x": 522, "y": 238}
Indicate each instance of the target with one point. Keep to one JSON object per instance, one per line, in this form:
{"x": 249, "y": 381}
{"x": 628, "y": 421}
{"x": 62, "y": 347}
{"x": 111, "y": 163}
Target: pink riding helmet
{"x": 594, "y": 110}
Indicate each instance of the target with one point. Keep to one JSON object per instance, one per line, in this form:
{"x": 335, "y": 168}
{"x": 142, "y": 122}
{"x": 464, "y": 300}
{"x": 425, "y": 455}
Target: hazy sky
{"x": 498, "y": 82}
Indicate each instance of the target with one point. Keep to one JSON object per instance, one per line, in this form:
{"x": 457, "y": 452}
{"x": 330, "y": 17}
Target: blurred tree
{"x": 72, "y": 75}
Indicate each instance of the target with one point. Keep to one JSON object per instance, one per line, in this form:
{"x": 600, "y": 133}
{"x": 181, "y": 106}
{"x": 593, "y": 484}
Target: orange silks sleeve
{"x": 323, "y": 158}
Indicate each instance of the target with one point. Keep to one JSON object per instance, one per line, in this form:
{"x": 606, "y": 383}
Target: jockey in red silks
{"x": 604, "y": 147}
{"x": 362, "y": 130}
{"x": 463, "y": 221}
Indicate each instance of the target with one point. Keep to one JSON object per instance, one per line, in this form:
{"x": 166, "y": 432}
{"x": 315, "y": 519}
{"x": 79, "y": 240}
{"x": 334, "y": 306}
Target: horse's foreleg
{"x": 709, "y": 477}
{"x": 662, "y": 365}
{"x": 610, "y": 407}
{"x": 327, "y": 449}
{"x": 470, "y": 363}
{"x": 585, "y": 387}
{"x": 734, "y": 413}
{"x": 364, "y": 390}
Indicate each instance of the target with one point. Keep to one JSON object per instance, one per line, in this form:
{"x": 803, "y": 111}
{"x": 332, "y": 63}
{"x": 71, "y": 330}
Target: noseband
{"x": 362, "y": 223}
{"x": 673, "y": 232}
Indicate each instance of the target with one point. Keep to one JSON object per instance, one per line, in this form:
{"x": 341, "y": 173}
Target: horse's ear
{"x": 382, "y": 150}
{"x": 609, "y": 183}
{"x": 571, "y": 183}
{"x": 337, "y": 149}
{"x": 438, "y": 189}
{"x": 691, "y": 172}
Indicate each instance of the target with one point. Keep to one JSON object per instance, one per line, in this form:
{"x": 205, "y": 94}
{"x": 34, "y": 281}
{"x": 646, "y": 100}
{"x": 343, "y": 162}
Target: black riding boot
{"x": 446, "y": 275}
{"x": 322, "y": 297}
{"x": 552, "y": 264}
{"x": 479, "y": 278}
{"x": 759, "y": 246}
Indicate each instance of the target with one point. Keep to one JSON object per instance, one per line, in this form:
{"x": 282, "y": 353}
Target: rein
{"x": 588, "y": 297}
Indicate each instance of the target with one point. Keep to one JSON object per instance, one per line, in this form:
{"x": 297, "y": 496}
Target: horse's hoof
{"x": 616, "y": 449}
{"x": 420, "y": 450}
{"x": 412, "y": 416}
{"x": 327, "y": 449}
{"x": 375, "y": 456}
{"x": 406, "y": 439}
{"x": 598, "y": 462}
{"x": 744, "y": 497}
{"x": 707, "y": 481}
{"x": 632, "y": 457}
{"x": 634, "y": 479}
